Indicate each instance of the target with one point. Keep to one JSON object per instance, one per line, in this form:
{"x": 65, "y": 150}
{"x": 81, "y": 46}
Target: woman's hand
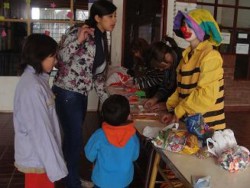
{"x": 150, "y": 102}
{"x": 160, "y": 106}
{"x": 84, "y": 32}
{"x": 167, "y": 118}
{"x": 175, "y": 119}
{"x": 130, "y": 83}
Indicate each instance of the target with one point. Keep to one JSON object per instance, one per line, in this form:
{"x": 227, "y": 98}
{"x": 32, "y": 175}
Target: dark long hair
{"x": 140, "y": 45}
{"x": 36, "y": 48}
{"x": 100, "y": 8}
{"x": 159, "y": 49}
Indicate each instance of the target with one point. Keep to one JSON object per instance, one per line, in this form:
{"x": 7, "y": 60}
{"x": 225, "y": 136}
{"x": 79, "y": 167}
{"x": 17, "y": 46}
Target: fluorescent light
{"x": 35, "y": 13}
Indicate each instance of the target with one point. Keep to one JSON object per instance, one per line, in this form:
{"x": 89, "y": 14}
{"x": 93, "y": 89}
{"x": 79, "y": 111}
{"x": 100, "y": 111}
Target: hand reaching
{"x": 84, "y": 32}
{"x": 160, "y": 106}
{"x": 167, "y": 118}
{"x": 130, "y": 83}
{"x": 150, "y": 102}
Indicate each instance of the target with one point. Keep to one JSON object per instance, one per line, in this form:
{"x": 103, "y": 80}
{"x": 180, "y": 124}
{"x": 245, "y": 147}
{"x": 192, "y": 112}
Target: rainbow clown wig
{"x": 202, "y": 22}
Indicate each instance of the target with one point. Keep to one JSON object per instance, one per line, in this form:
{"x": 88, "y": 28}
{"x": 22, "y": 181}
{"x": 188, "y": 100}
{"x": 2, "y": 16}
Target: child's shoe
{"x": 86, "y": 184}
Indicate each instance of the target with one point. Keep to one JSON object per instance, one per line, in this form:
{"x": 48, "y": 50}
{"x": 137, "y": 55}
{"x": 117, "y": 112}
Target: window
{"x": 55, "y": 30}
{"x": 232, "y": 16}
{"x": 143, "y": 19}
{"x": 19, "y": 19}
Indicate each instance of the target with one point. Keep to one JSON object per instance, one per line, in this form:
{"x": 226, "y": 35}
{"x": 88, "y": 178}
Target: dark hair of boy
{"x": 100, "y": 8}
{"x": 115, "y": 110}
{"x": 36, "y": 48}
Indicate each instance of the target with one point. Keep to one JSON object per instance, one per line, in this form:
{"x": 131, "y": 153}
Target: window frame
{"x": 234, "y": 37}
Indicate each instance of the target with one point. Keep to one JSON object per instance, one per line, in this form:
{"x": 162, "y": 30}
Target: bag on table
{"x": 221, "y": 141}
{"x": 234, "y": 159}
{"x": 177, "y": 141}
{"x": 153, "y": 131}
{"x": 195, "y": 125}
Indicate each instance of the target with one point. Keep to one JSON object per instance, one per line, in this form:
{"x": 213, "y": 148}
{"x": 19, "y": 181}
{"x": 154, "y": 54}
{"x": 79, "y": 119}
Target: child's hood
{"x": 118, "y": 135}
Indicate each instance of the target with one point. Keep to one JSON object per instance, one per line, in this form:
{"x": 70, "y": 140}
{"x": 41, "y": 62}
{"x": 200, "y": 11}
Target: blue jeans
{"x": 71, "y": 109}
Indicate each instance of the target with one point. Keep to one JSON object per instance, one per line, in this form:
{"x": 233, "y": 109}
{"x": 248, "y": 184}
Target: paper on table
{"x": 201, "y": 182}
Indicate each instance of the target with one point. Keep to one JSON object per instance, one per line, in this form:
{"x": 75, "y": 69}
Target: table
{"x": 185, "y": 166}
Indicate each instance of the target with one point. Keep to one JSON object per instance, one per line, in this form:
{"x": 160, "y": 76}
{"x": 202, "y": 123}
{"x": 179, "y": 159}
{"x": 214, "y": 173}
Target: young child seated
{"x": 114, "y": 147}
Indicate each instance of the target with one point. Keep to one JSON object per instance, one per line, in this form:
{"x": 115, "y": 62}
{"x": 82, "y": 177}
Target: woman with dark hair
{"x": 159, "y": 81}
{"x": 82, "y": 61}
{"x": 36, "y": 48}
{"x": 38, "y": 151}
{"x": 138, "y": 53}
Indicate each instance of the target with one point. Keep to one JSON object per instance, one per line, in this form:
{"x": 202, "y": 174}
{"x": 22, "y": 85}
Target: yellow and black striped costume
{"x": 200, "y": 86}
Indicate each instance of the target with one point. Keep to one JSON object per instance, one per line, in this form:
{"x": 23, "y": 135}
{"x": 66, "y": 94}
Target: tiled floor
{"x": 239, "y": 122}
{"x": 9, "y": 177}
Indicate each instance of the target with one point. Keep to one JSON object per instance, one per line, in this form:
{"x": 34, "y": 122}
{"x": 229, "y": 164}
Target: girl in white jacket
{"x": 38, "y": 151}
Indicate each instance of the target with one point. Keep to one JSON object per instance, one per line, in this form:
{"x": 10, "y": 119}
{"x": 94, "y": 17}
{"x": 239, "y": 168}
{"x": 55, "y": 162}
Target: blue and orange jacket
{"x": 113, "y": 149}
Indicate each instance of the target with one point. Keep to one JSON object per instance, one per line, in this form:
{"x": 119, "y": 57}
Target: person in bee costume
{"x": 200, "y": 83}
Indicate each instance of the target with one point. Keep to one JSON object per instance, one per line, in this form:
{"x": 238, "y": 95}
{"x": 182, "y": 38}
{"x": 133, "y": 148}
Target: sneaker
{"x": 86, "y": 184}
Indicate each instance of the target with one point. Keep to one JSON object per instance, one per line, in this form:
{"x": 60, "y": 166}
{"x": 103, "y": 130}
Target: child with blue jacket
{"x": 114, "y": 147}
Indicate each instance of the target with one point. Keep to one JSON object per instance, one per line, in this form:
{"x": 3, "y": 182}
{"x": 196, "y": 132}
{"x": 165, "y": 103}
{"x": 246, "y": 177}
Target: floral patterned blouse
{"x": 75, "y": 63}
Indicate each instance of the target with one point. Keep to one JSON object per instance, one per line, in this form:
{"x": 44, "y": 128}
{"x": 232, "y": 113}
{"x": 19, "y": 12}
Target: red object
{"x": 185, "y": 32}
{"x": 3, "y": 34}
{"x": 183, "y": 29}
{"x": 52, "y": 5}
{"x": 33, "y": 180}
{"x": 123, "y": 77}
{"x": 69, "y": 14}
{"x": 133, "y": 99}
{"x": 118, "y": 135}
{"x": 131, "y": 90}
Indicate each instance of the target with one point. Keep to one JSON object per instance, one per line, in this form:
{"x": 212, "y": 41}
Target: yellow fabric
{"x": 203, "y": 87}
{"x": 192, "y": 145}
{"x": 30, "y": 169}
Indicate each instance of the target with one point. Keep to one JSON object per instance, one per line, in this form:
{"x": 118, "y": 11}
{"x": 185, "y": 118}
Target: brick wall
{"x": 237, "y": 92}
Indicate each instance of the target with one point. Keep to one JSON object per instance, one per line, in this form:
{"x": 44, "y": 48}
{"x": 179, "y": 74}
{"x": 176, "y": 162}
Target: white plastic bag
{"x": 152, "y": 132}
{"x": 221, "y": 141}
